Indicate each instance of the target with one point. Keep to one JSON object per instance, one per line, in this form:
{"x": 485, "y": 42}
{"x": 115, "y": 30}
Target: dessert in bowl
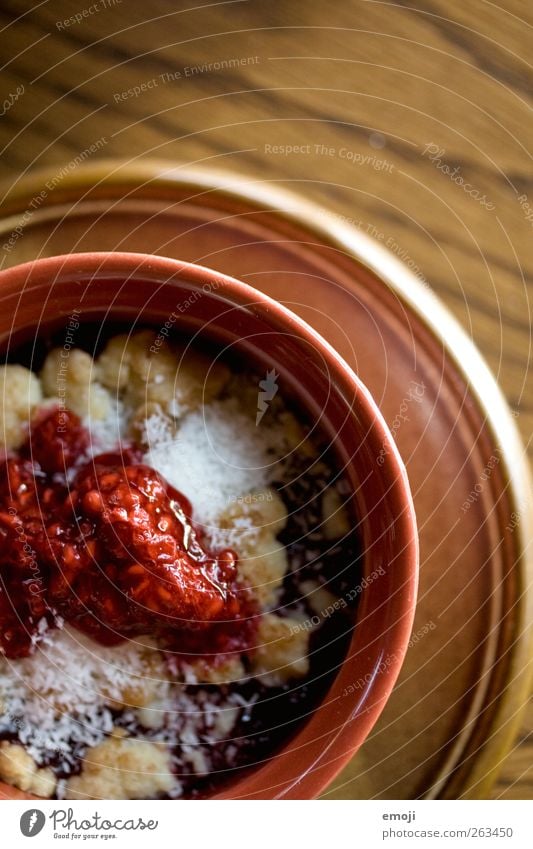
{"x": 207, "y": 543}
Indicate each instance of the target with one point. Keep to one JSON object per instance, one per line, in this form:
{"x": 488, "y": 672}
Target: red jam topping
{"x": 113, "y": 551}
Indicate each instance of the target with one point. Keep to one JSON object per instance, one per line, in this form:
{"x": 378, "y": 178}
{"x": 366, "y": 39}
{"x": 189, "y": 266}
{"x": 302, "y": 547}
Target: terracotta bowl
{"x": 210, "y": 307}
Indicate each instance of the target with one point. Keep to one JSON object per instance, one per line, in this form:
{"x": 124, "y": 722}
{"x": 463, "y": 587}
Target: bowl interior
{"x": 214, "y": 310}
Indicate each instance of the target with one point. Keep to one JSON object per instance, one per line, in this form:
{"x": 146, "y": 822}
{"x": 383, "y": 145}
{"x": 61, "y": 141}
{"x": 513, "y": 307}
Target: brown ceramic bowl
{"x": 146, "y": 290}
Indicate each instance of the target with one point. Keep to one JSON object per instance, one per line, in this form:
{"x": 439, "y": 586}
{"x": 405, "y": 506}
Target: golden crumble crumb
{"x": 123, "y": 768}
{"x": 145, "y": 683}
{"x": 73, "y": 379}
{"x": 282, "y": 652}
{"x": 43, "y": 783}
{"x": 263, "y": 561}
{"x": 153, "y": 372}
{"x": 225, "y": 671}
{"x": 200, "y": 378}
{"x": 336, "y": 523}
{"x": 140, "y": 417}
{"x": 225, "y": 721}
{"x": 318, "y": 598}
{"x": 17, "y": 767}
{"x": 264, "y": 510}
{"x": 295, "y": 436}
{"x": 20, "y": 392}
{"x": 264, "y": 569}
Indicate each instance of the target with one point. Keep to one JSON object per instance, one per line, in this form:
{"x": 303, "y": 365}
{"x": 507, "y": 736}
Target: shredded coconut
{"x": 215, "y": 456}
{"x": 57, "y": 701}
{"x": 58, "y": 697}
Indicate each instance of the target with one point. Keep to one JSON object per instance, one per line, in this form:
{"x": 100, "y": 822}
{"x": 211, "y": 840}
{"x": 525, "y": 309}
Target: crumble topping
{"x": 79, "y": 719}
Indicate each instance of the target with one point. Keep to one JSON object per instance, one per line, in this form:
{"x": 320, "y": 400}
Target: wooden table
{"x": 408, "y": 119}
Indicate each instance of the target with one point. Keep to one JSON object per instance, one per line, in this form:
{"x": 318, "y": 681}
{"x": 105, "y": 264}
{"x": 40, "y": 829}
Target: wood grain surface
{"x": 410, "y": 119}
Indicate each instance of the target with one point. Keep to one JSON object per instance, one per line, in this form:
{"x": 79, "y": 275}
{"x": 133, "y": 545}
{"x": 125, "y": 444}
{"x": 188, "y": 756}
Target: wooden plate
{"x": 454, "y": 711}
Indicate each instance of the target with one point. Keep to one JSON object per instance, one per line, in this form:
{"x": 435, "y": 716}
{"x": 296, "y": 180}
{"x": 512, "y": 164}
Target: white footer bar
{"x": 268, "y": 825}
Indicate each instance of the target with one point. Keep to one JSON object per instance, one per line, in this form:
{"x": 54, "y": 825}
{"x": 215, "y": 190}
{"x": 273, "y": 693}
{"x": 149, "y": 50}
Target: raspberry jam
{"x": 110, "y": 547}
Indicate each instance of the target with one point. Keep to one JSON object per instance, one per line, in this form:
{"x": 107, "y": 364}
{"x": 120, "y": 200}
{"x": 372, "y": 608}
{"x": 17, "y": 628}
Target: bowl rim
{"x": 260, "y": 779}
